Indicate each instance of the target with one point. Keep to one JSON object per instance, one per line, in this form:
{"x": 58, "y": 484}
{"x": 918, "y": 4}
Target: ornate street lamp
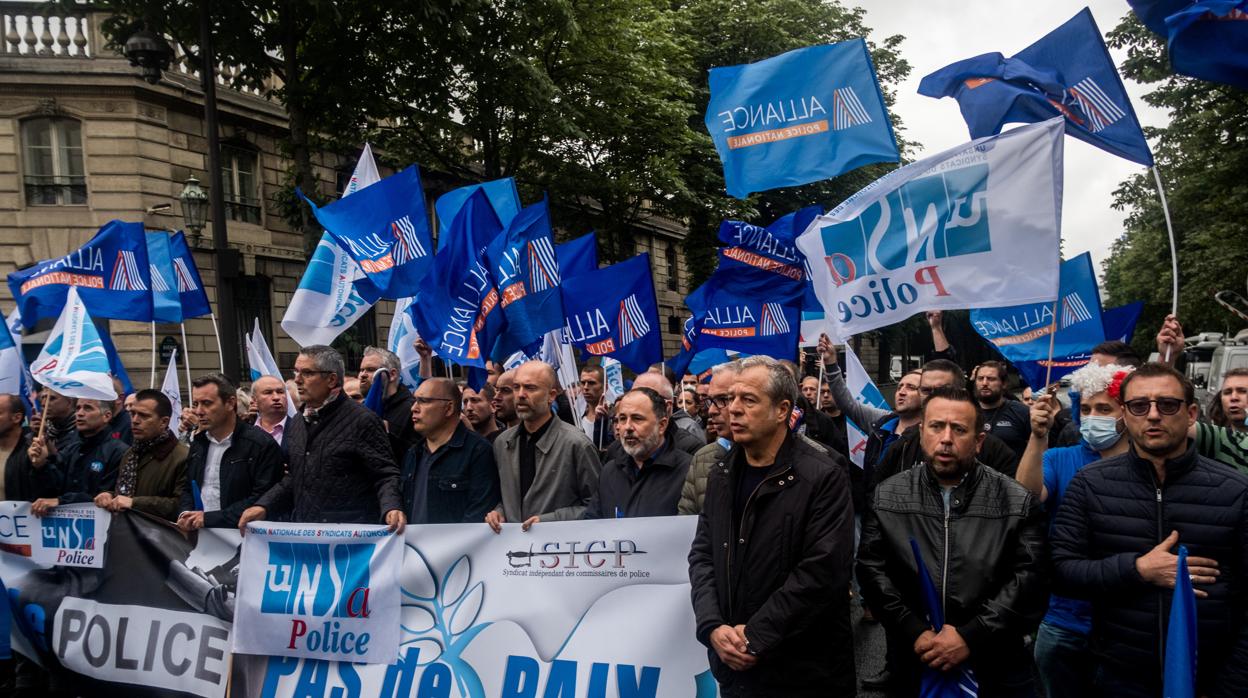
{"x": 194, "y": 208}
{"x": 150, "y": 52}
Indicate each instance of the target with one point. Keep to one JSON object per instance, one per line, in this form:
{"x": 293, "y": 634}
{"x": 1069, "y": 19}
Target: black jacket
{"x": 626, "y": 492}
{"x": 341, "y": 468}
{"x": 120, "y": 427}
{"x": 462, "y": 481}
{"x": 789, "y": 581}
{"x": 906, "y": 452}
{"x": 1113, "y": 512}
{"x": 987, "y": 559}
{"x": 89, "y": 466}
{"x": 250, "y": 466}
{"x": 398, "y": 409}
{"x": 22, "y": 481}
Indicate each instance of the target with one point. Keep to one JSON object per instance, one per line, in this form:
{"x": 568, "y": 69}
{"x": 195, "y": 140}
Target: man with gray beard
{"x": 645, "y": 479}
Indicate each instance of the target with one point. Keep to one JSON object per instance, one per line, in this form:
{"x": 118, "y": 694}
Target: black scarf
{"x": 128, "y": 475}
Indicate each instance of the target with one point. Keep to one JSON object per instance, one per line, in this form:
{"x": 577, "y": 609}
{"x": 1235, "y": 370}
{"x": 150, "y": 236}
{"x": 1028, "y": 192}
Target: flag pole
{"x": 216, "y": 331}
{"x": 153, "y": 382}
{"x": 1048, "y": 368}
{"x": 1174, "y": 254}
{"x": 819, "y": 392}
{"x": 186, "y": 359}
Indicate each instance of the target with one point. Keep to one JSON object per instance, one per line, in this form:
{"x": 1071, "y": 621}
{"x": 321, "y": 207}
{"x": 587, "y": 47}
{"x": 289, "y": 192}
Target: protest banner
{"x": 71, "y": 535}
{"x": 587, "y": 609}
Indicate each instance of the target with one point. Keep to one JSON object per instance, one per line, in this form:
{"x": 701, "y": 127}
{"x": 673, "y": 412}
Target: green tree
{"x": 1202, "y": 155}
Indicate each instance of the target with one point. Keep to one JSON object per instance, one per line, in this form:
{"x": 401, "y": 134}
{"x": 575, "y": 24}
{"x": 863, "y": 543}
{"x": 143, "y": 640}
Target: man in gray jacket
{"x": 547, "y": 468}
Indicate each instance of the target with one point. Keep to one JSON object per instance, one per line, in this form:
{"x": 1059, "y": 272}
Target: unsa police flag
{"x": 975, "y": 226}
{"x": 319, "y": 592}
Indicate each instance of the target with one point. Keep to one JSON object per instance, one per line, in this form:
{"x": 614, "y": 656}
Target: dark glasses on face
{"x": 1165, "y": 405}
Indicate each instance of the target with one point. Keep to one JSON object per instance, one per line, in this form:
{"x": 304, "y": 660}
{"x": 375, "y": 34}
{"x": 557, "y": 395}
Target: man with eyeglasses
{"x": 448, "y": 475}
{"x": 1117, "y": 532}
{"x": 547, "y": 468}
{"x": 719, "y": 394}
{"x": 341, "y": 467}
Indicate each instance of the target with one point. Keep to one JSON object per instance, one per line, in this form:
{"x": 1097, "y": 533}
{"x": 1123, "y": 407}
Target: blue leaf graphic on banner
{"x": 468, "y": 609}
{"x": 455, "y": 583}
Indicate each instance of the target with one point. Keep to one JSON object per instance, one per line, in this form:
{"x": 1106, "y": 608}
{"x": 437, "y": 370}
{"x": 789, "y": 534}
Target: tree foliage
{"x": 1202, "y": 155}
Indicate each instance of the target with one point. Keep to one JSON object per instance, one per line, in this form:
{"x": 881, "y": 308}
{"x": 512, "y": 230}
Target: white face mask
{"x": 1101, "y": 433}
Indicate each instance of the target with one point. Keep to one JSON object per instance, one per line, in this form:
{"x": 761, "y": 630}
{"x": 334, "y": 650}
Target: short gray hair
{"x": 325, "y": 359}
{"x": 733, "y": 367}
{"x": 389, "y": 360}
{"x": 780, "y": 382}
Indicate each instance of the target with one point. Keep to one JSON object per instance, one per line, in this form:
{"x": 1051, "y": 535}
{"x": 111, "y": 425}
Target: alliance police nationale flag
{"x": 111, "y": 273}
{"x": 73, "y": 361}
{"x": 503, "y": 197}
{"x": 975, "y": 226}
{"x": 190, "y": 285}
{"x": 1208, "y": 40}
{"x": 1067, "y": 73}
{"x": 800, "y": 117}
{"x": 745, "y": 310}
{"x": 525, "y": 269}
{"x": 1119, "y": 324}
{"x": 613, "y": 312}
{"x": 385, "y": 229}
{"x": 578, "y": 256}
{"x": 166, "y": 301}
{"x": 327, "y": 301}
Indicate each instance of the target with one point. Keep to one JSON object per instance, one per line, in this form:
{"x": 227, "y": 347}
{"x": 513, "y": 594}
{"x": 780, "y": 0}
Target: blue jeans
{"x": 1064, "y": 662}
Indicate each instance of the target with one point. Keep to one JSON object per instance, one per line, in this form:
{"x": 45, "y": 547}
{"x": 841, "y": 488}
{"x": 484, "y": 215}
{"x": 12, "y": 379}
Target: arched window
{"x": 52, "y": 151}
{"x": 240, "y": 177}
{"x": 673, "y": 279}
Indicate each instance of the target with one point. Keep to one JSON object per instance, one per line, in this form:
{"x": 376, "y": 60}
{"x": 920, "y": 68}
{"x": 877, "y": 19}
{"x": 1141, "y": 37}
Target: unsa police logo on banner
{"x": 320, "y": 592}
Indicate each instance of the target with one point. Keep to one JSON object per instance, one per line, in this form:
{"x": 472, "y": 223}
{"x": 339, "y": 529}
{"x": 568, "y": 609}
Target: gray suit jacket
{"x": 567, "y": 474}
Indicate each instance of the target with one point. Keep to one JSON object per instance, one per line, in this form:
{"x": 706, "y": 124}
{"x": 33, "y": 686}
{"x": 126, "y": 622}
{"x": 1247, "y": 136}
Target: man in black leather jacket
{"x": 1119, "y": 526}
{"x": 981, "y": 536}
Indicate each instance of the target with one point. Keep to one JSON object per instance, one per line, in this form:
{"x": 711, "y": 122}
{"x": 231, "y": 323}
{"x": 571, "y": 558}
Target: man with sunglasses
{"x": 1116, "y": 535}
{"x": 448, "y": 475}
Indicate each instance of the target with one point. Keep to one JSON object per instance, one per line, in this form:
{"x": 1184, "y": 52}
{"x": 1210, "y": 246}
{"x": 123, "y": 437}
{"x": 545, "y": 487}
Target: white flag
{"x": 73, "y": 361}
{"x": 865, "y": 391}
{"x": 326, "y": 303}
{"x": 260, "y": 361}
{"x": 976, "y": 226}
{"x": 173, "y": 391}
{"x": 614, "y": 380}
{"x": 12, "y": 367}
{"x": 401, "y": 341}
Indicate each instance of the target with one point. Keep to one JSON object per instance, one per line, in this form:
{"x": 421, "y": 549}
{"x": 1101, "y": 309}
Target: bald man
{"x": 547, "y": 468}
{"x": 268, "y": 396}
{"x": 448, "y": 475}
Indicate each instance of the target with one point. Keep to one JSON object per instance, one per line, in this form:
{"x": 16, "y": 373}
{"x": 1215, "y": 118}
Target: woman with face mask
{"x": 1063, "y": 655}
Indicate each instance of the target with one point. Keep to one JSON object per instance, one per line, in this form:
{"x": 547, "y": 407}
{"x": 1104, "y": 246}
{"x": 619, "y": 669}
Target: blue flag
{"x": 115, "y": 366}
{"x": 773, "y": 249}
{"x": 1067, "y": 72}
{"x": 939, "y": 684}
{"x": 1119, "y": 324}
{"x": 742, "y": 310}
{"x": 503, "y": 197}
{"x": 578, "y": 256}
{"x": 1022, "y": 332}
{"x": 385, "y": 229}
{"x": 1153, "y": 13}
{"x": 800, "y": 117}
{"x": 612, "y": 312}
{"x": 190, "y": 285}
{"x": 525, "y": 270}
{"x": 1181, "y": 636}
{"x": 456, "y": 309}
{"x": 376, "y": 398}
{"x": 166, "y": 302}
{"x": 111, "y": 273}
{"x": 1209, "y": 40}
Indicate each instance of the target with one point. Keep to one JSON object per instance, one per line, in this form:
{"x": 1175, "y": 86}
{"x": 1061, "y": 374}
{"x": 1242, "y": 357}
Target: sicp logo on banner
{"x": 799, "y": 117}
{"x": 975, "y": 226}
{"x": 320, "y": 592}
{"x": 72, "y": 535}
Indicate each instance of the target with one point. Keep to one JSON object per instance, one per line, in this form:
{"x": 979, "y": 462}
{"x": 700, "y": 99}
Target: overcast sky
{"x": 939, "y": 32}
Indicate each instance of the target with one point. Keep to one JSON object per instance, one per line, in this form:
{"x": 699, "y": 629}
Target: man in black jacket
{"x": 449, "y": 475}
{"x": 89, "y": 464}
{"x": 231, "y": 463}
{"x": 647, "y": 479}
{"x": 23, "y": 482}
{"x": 981, "y": 537}
{"x": 1115, "y": 531}
{"x": 776, "y": 619}
{"x": 60, "y": 411}
{"x": 341, "y": 466}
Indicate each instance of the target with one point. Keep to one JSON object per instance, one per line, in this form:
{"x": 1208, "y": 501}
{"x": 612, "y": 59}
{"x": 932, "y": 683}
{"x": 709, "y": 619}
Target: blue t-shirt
{"x": 1060, "y": 466}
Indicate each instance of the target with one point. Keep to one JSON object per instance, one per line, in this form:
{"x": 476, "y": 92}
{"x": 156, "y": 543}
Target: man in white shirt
{"x": 231, "y": 463}
{"x": 268, "y": 393}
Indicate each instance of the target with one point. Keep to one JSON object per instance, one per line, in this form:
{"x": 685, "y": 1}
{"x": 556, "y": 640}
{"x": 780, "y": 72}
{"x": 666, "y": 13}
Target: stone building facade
{"x": 83, "y": 140}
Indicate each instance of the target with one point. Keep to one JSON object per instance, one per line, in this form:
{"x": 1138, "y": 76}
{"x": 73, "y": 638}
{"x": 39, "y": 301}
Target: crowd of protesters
{"x": 1049, "y": 535}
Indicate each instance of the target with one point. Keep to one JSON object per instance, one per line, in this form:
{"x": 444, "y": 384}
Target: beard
{"x": 640, "y": 446}
{"x": 948, "y": 470}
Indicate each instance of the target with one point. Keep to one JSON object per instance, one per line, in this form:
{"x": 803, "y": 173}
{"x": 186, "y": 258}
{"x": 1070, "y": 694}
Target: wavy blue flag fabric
{"x": 525, "y": 270}
{"x": 1066, "y": 73}
{"x": 376, "y": 398}
{"x": 743, "y": 310}
{"x": 190, "y": 285}
{"x": 385, "y": 229}
{"x": 578, "y": 256}
{"x": 773, "y": 248}
{"x": 456, "y": 310}
{"x": 1181, "y": 636}
{"x": 799, "y": 117}
{"x": 1209, "y": 40}
{"x": 73, "y": 361}
{"x": 503, "y": 197}
{"x": 111, "y": 274}
{"x": 1119, "y": 324}
{"x": 166, "y": 302}
{"x": 1021, "y": 332}
{"x": 1153, "y": 13}
{"x": 933, "y": 683}
{"x": 612, "y": 312}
